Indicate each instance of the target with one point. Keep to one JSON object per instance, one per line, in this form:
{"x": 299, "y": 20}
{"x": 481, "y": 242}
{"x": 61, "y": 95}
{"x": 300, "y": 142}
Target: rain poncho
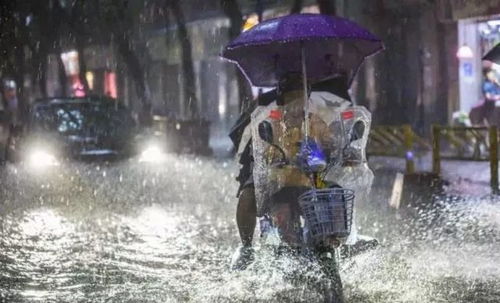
{"x": 326, "y": 130}
{"x": 331, "y": 127}
{"x": 333, "y": 89}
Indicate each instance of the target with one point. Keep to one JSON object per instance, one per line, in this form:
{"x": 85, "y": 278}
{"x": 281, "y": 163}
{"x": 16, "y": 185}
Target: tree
{"x": 187, "y": 59}
{"x": 327, "y": 7}
{"x": 232, "y": 11}
{"x": 119, "y": 16}
{"x": 14, "y": 38}
{"x": 296, "y": 7}
{"x": 43, "y": 27}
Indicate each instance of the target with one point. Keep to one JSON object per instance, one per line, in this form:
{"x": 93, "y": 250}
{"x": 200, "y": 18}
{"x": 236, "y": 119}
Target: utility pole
{"x": 327, "y": 7}
{"x": 259, "y": 8}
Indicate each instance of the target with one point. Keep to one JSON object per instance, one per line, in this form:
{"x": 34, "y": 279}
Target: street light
{"x": 465, "y": 52}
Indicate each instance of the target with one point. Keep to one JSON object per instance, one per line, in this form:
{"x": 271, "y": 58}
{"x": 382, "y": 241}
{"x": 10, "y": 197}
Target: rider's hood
{"x": 321, "y": 103}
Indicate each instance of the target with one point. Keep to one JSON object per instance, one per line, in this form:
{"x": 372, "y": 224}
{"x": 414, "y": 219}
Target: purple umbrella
{"x": 327, "y": 46}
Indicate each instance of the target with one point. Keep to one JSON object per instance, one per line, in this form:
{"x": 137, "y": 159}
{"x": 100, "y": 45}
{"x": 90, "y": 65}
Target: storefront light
{"x": 110, "y": 85}
{"x": 90, "y": 79}
{"x": 70, "y": 62}
{"x": 250, "y": 22}
{"x": 465, "y": 52}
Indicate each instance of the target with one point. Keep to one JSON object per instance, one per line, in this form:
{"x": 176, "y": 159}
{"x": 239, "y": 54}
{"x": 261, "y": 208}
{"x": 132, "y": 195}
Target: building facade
{"x": 419, "y": 79}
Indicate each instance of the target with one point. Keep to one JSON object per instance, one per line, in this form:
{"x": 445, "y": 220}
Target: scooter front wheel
{"x": 332, "y": 286}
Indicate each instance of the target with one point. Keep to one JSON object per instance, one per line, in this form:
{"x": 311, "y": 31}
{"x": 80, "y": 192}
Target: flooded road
{"x": 133, "y": 232}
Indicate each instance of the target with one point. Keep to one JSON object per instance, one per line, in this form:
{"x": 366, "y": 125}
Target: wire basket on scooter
{"x": 328, "y": 212}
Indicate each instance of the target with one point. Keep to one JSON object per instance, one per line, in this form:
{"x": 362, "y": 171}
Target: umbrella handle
{"x": 306, "y": 98}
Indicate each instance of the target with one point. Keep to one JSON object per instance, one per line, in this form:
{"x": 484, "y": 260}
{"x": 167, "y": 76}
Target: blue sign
{"x": 467, "y": 69}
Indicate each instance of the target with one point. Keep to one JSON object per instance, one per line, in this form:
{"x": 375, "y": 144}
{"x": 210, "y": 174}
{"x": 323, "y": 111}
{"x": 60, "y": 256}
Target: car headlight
{"x": 42, "y": 158}
{"x": 152, "y": 154}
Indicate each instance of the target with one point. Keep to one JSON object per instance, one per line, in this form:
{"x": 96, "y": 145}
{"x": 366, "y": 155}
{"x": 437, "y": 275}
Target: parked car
{"x": 75, "y": 128}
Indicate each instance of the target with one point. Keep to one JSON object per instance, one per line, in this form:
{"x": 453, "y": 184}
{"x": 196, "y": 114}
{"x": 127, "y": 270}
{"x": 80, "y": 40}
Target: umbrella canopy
{"x": 493, "y": 55}
{"x": 330, "y": 46}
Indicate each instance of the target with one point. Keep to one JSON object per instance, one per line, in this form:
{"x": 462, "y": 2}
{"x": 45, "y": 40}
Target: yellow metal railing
{"x": 467, "y": 144}
{"x": 448, "y": 143}
{"x": 396, "y": 141}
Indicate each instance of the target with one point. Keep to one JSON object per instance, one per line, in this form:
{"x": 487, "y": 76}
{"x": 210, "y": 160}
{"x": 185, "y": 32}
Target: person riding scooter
{"x": 333, "y": 90}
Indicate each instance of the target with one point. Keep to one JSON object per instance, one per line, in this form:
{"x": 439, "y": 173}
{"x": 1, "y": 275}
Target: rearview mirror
{"x": 266, "y": 132}
{"x": 358, "y": 131}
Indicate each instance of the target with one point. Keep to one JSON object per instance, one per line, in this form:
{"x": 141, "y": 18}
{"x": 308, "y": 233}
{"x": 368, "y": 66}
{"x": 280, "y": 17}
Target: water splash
{"x": 86, "y": 236}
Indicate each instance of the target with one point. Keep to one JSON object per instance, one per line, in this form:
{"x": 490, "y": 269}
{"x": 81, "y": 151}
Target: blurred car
{"x": 75, "y": 128}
